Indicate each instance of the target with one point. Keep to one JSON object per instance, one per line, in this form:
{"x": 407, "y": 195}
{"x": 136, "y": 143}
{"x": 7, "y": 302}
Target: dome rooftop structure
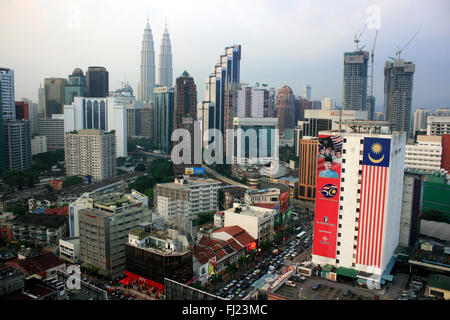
{"x": 77, "y": 72}
{"x": 185, "y": 74}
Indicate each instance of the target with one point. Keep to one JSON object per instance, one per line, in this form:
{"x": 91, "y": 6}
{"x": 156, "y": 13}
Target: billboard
{"x": 195, "y": 170}
{"x": 327, "y": 195}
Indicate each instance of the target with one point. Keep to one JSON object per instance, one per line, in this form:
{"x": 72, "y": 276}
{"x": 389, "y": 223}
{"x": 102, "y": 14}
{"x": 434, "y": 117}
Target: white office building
{"x": 7, "y": 105}
{"x": 38, "y": 145}
{"x": 186, "y": 197}
{"x": 105, "y": 114}
{"x": 358, "y": 232}
{"x": 256, "y": 221}
{"x": 328, "y": 104}
{"x": 438, "y": 125}
{"x": 425, "y": 155}
{"x": 420, "y": 119}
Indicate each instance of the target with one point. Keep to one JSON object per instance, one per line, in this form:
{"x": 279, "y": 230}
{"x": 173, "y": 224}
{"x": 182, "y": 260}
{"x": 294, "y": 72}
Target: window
{"x": 343, "y": 160}
{"x": 343, "y": 180}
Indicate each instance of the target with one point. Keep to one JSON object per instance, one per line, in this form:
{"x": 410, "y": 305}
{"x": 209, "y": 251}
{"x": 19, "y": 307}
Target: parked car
{"x": 347, "y": 292}
{"x": 316, "y": 286}
{"x": 291, "y": 283}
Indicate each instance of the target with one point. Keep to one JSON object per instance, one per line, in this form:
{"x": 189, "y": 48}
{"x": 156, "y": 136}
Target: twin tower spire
{"x": 147, "y": 65}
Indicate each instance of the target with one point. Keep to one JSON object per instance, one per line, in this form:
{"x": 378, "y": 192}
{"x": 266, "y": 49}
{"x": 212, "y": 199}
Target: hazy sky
{"x": 289, "y": 42}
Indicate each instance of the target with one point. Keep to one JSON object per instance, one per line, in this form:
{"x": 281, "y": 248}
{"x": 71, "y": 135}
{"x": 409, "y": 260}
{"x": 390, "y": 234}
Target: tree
{"x": 16, "y": 209}
{"x": 140, "y": 167}
{"x": 71, "y": 181}
{"x": 143, "y": 183}
{"x": 19, "y": 178}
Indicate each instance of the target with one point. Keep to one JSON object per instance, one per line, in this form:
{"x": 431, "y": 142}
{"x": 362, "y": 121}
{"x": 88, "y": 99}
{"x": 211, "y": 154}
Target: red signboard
{"x": 327, "y": 195}
{"x": 284, "y": 200}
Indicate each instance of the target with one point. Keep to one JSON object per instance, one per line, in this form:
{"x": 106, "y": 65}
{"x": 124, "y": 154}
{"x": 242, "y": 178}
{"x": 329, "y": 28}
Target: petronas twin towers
{"x": 147, "y": 65}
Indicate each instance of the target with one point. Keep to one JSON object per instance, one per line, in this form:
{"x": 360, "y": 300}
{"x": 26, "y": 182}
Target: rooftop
{"x": 48, "y": 221}
{"x": 439, "y": 281}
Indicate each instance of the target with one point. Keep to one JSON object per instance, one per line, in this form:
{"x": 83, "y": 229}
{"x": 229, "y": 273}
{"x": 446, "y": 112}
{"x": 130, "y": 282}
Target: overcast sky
{"x": 283, "y": 42}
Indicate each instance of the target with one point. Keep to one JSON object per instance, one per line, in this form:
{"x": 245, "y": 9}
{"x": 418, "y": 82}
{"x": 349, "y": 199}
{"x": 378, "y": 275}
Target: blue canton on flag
{"x": 376, "y": 152}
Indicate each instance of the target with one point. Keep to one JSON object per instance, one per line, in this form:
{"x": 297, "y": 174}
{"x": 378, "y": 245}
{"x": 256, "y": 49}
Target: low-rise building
{"x": 152, "y": 255}
{"x": 40, "y": 228}
{"x": 438, "y": 286}
{"x": 44, "y": 265}
{"x": 69, "y": 249}
{"x": 11, "y": 280}
{"x": 258, "y": 222}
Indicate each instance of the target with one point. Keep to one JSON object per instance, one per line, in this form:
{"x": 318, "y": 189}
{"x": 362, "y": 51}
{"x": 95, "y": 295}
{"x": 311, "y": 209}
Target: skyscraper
{"x": 163, "y": 115}
{"x": 147, "y": 67}
{"x": 307, "y": 92}
{"x": 225, "y": 72}
{"x": 90, "y": 152}
{"x": 76, "y": 86}
{"x": 359, "y": 200}
{"x": 54, "y": 96}
{"x": 17, "y": 141}
{"x": 105, "y": 114}
{"x": 97, "y": 82}
{"x": 185, "y": 114}
{"x": 2, "y": 148}
{"x": 398, "y": 85}
{"x": 165, "y": 70}
{"x": 355, "y": 80}
{"x": 285, "y": 108}
{"x": 7, "y": 94}
{"x": 420, "y": 119}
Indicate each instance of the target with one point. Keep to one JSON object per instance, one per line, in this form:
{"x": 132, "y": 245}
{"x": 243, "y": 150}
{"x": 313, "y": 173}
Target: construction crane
{"x": 358, "y": 37}
{"x": 399, "y": 51}
{"x": 371, "y": 106}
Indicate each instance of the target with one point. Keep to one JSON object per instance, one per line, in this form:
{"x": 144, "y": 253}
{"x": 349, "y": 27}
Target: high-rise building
{"x": 420, "y": 119}
{"x": 355, "y": 80}
{"x": 359, "y": 200}
{"x": 2, "y": 146}
{"x": 445, "y": 162}
{"x": 334, "y": 115}
{"x": 54, "y": 96}
{"x": 147, "y": 67}
{"x": 34, "y": 117}
{"x": 285, "y": 108}
{"x": 438, "y": 125}
{"x": 186, "y": 198}
{"x": 106, "y": 114}
{"x": 306, "y": 92}
{"x": 225, "y": 72}
{"x": 147, "y": 121}
{"x": 165, "y": 70}
{"x": 425, "y": 155}
{"x": 76, "y": 86}
{"x": 307, "y": 168}
{"x": 22, "y": 110}
{"x": 7, "y": 94}
{"x": 90, "y": 153}
{"x": 398, "y": 86}
{"x": 328, "y": 104}
{"x": 104, "y": 229}
{"x": 370, "y": 107}
{"x": 41, "y": 101}
{"x": 442, "y": 112}
{"x": 17, "y": 144}
{"x": 97, "y": 82}
{"x": 38, "y": 145}
{"x": 185, "y": 116}
{"x": 53, "y": 129}
{"x": 163, "y": 118}
{"x": 262, "y": 149}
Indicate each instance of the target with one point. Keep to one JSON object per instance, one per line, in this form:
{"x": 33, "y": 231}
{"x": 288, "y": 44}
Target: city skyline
{"x": 78, "y": 26}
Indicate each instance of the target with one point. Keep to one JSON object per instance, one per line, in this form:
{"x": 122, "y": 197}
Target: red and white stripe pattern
{"x": 371, "y": 215}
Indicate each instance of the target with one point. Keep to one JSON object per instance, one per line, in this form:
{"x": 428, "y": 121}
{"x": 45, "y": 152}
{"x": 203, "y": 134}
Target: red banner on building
{"x": 327, "y": 195}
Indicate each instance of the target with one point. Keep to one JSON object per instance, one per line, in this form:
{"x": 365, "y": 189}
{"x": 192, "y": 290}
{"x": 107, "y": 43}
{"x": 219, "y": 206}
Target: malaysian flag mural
{"x": 375, "y": 168}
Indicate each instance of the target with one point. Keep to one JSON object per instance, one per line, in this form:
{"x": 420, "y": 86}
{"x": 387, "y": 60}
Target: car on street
{"x": 316, "y": 286}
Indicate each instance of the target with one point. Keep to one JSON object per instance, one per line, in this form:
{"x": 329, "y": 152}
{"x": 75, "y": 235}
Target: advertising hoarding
{"x": 327, "y": 195}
